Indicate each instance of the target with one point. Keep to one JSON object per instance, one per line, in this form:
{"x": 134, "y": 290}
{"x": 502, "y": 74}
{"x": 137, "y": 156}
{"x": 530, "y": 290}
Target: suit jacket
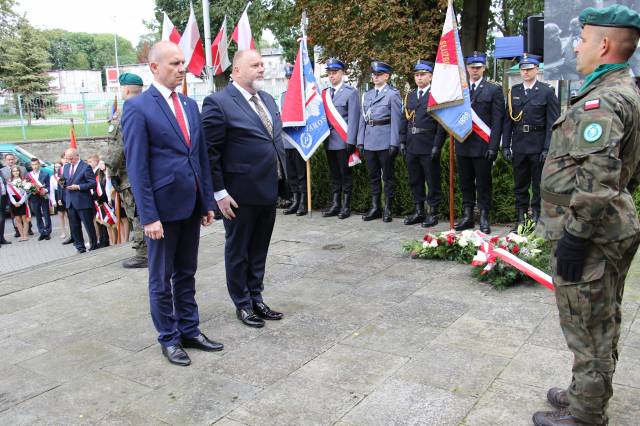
{"x": 387, "y": 105}
{"x": 167, "y": 176}
{"x": 540, "y": 108}
{"x": 347, "y": 103}
{"x": 488, "y": 102}
{"x": 84, "y": 177}
{"x": 244, "y": 157}
{"x": 420, "y": 143}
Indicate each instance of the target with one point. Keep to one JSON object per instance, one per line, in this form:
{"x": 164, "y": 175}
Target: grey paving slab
{"x": 540, "y": 366}
{"x": 399, "y": 402}
{"x": 628, "y": 368}
{"x": 13, "y": 351}
{"x": 18, "y": 385}
{"x": 454, "y": 369}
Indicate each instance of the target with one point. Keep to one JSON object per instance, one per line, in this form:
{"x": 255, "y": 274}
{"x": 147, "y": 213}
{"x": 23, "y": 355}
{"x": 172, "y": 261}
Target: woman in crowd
{"x": 18, "y": 199}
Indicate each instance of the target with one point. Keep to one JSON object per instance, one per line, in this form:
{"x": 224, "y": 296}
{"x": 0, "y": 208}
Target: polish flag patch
{"x": 592, "y": 104}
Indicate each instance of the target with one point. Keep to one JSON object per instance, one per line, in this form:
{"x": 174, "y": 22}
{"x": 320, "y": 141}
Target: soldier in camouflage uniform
{"x": 130, "y": 86}
{"x": 588, "y": 212}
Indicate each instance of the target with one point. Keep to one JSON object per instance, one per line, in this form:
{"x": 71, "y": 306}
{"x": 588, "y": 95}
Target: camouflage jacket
{"x": 114, "y": 159}
{"x": 593, "y": 165}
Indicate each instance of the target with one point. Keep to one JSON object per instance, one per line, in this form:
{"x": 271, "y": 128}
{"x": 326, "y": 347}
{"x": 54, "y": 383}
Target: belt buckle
{"x": 525, "y": 128}
{"x": 370, "y": 122}
{"x": 414, "y": 131}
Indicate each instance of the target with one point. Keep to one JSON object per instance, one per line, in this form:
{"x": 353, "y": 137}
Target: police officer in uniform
{"x": 346, "y": 100}
{"x": 532, "y": 108}
{"x": 296, "y": 167}
{"x": 422, "y": 138}
{"x": 588, "y": 211}
{"x": 379, "y": 137}
{"x": 130, "y": 86}
{"x": 475, "y": 156}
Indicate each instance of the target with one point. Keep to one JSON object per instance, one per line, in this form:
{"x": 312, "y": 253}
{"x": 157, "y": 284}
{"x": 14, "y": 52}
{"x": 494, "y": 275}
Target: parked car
{"x": 23, "y": 157}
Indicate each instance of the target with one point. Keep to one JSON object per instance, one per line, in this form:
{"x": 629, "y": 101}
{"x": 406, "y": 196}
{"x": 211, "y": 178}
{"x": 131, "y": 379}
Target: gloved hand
{"x": 393, "y": 151}
{"x": 570, "y": 254}
{"x": 403, "y": 150}
{"x": 506, "y": 153}
{"x": 543, "y": 156}
{"x": 361, "y": 149}
{"x": 350, "y": 149}
{"x": 435, "y": 154}
{"x": 490, "y": 155}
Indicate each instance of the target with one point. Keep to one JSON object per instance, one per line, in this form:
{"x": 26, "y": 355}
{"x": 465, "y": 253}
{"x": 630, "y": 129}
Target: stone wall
{"x": 51, "y": 150}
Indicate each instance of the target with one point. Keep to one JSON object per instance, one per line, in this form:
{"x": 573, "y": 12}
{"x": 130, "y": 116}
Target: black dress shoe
{"x": 203, "y": 343}
{"x": 94, "y": 248}
{"x": 30, "y": 231}
{"x": 135, "y": 262}
{"x": 41, "y": 237}
{"x": 16, "y": 235}
{"x": 176, "y": 355}
{"x": 68, "y": 241}
{"x": 249, "y": 318}
{"x": 264, "y": 312}
{"x": 47, "y": 237}
{"x": 3, "y": 241}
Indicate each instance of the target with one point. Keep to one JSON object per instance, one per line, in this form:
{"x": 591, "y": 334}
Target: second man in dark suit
{"x": 40, "y": 202}
{"x": 243, "y": 131}
{"x": 475, "y": 156}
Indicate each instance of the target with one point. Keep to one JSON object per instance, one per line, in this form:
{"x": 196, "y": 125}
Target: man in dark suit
{"x": 533, "y": 107}
{"x": 79, "y": 180}
{"x": 40, "y": 203}
{"x": 421, "y": 141}
{"x": 168, "y": 168}
{"x": 475, "y": 156}
{"x": 243, "y": 131}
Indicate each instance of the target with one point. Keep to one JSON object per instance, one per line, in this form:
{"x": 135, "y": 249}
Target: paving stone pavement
{"x": 370, "y": 337}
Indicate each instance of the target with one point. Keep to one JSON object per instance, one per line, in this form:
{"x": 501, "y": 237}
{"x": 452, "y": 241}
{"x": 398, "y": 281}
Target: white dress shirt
{"x": 166, "y": 94}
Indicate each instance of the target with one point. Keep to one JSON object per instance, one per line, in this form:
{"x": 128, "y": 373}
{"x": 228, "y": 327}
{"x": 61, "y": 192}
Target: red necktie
{"x": 180, "y": 117}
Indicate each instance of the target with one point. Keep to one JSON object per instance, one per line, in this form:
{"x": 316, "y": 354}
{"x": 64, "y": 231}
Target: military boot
{"x": 293, "y": 208}
{"x": 558, "y": 397}
{"x": 135, "y": 262}
{"x": 346, "y": 206}
{"x": 535, "y": 215}
{"x": 432, "y": 217}
{"x": 522, "y": 213}
{"x": 467, "y": 220}
{"x": 561, "y": 417}
{"x": 417, "y": 216}
{"x": 386, "y": 214}
{"x": 484, "y": 221}
{"x": 375, "y": 212}
{"x": 302, "y": 208}
{"x": 334, "y": 210}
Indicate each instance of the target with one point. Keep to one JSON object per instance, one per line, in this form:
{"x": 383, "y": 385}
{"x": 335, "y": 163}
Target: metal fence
{"x": 49, "y": 116}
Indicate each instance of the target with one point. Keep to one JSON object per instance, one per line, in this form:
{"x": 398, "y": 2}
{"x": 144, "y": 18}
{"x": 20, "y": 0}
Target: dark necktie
{"x": 526, "y": 92}
{"x": 180, "y": 117}
{"x": 420, "y": 94}
{"x": 332, "y": 92}
{"x": 473, "y": 88}
{"x": 377, "y": 92}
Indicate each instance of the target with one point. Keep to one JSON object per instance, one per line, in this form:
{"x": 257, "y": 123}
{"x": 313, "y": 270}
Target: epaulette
{"x": 493, "y": 82}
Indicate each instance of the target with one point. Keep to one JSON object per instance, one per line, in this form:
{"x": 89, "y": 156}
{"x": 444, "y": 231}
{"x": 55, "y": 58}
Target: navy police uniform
{"x": 527, "y": 135}
{"x": 346, "y": 100}
{"x": 296, "y": 167}
{"x": 475, "y": 156}
{"x": 379, "y": 136}
{"x": 422, "y": 139}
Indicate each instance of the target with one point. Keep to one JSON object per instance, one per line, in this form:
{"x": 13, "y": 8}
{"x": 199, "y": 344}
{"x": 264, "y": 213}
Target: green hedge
{"x": 503, "y": 201}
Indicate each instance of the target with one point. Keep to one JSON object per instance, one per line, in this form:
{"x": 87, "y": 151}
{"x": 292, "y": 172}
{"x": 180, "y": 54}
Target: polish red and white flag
{"x": 191, "y": 46}
{"x": 242, "y": 32}
{"x": 220, "y": 50}
{"x": 169, "y": 31}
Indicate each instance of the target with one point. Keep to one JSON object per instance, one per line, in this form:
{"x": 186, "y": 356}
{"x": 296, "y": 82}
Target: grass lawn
{"x": 54, "y": 131}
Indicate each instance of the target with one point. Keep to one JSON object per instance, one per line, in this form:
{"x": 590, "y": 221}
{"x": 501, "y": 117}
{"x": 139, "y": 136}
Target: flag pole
{"x": 207, "y": 41}
{"x": 451, "y": 165}
{"x": 309, "y": 186}
{"x": 118, "y": 237}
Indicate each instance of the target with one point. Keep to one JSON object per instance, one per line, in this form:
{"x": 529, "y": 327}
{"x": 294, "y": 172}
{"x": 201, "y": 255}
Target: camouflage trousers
{"x": 139, "y": 244}
{"x": 590, "y": 318}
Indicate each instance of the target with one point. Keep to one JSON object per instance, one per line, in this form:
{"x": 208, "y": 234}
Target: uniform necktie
{"x": 377, "y": 93}
{"x": 526, "y": 92}
{"x": 263, "y": 115}
{"x": 473, "y": 88}
{"x": 332, "y": 92}
{"x": 73, "y": 170}
{"x": 420, "y": 94}
{"x": 180, "y": 117}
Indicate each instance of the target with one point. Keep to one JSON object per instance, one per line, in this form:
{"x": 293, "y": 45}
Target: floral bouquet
{"x": 30, "y": 188}
{"x": 444, "y": 246}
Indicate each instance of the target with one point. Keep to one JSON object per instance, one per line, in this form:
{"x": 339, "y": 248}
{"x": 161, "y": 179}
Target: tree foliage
{"x": 26, "y": 61}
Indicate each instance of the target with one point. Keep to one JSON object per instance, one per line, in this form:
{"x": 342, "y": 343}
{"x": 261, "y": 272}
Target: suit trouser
{"x": 296, "y": 171}
{"x": 590, "y": 318}
{"x": 3, "y": 201}
{"x": 475, "y": 178}
{"x": 245, "y": 252}
{"x": 381, "y": 167}
{"x": 422, "y": 168}
{"x": 40, "y": 209}
{"x": 341, "y": 176}
{"x": 84, "y": 216}
{"x": 173, "y": 261}
{"x": 527, "y": 170}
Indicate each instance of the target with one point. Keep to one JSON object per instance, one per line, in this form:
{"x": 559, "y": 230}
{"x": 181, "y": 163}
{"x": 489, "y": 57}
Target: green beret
{"x": 130, "y": 79}
{"x": 611, "y": 16}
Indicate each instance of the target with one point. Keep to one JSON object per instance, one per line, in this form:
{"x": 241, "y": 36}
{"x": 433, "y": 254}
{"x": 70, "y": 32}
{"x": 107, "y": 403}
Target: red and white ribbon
{"x": 334, "y": 117}
{"x": 480, "y": 127}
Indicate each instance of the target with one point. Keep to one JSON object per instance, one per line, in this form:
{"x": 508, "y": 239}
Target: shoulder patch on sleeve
{"x": 593, "y": 133}
{"x": 592, "y": 104}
